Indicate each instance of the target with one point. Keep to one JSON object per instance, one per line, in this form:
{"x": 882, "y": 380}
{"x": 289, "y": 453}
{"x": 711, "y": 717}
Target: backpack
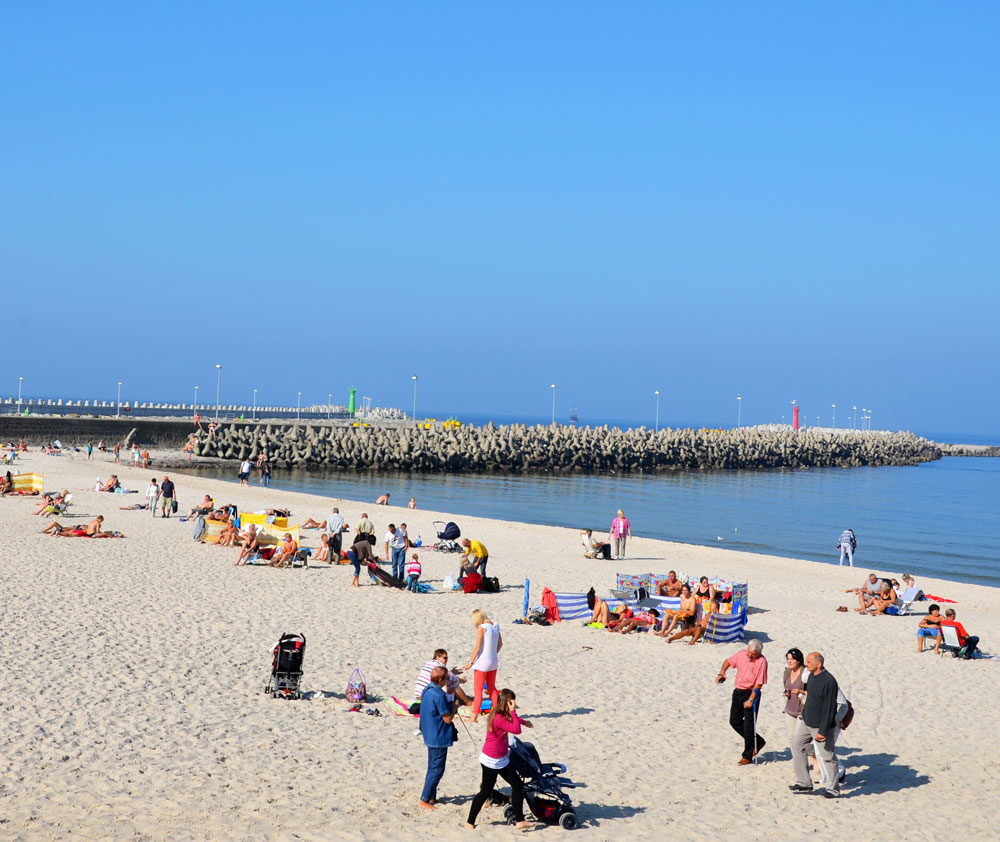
{"x": 640, "y": 594}
{"x": 356, "y": 690}
{"x": 491, "y": 584}
{"x": 848, "y": 717}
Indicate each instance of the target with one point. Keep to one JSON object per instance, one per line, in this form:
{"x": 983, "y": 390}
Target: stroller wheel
{"x": 508, "y": 814}
{"x": 568, "y": 821}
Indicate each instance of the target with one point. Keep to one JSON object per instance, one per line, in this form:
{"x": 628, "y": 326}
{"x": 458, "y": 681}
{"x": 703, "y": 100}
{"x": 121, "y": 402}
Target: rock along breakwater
{"x": 518, "y": 448}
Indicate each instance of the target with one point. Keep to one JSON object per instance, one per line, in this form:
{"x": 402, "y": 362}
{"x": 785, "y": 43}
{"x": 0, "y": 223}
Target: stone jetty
{"x": 523, "y": 449}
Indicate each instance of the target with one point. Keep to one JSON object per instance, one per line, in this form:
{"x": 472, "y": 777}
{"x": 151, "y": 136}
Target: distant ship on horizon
{"x": 574, "y": 415}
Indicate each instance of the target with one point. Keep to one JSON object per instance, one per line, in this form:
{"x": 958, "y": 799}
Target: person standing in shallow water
{"x": 621, "y": 529}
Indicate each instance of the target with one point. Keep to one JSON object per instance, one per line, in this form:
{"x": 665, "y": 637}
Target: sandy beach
{"x": 133, "y": 670}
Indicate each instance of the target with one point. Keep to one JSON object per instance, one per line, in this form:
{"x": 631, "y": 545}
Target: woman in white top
{"x": 152, "y": 495}
{"x": 485, "y": 659}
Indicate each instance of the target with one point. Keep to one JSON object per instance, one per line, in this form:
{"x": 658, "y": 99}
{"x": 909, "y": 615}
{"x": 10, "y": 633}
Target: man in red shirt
{"x": 965, "y": 640}
{"x": 751, "y": 675}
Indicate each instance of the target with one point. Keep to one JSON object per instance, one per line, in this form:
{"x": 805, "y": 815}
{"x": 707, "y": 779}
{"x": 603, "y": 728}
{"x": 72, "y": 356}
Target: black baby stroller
{"x": 543, "y": 787}
{"x": 448, "y": 535}
{"x": 286, "y": 667}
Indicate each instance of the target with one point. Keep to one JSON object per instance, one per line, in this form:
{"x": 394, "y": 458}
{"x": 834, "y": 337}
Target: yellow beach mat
{"x": 270, "y": 534}
{"x": 28, "y": 482}
{"x": 259, "y": 520}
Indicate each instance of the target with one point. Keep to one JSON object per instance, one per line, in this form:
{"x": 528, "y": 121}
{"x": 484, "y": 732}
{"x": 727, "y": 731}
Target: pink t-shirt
{"x": 620, "y": 526}
{"x": 496, "y": 745}
{"x": 749, "y": 673}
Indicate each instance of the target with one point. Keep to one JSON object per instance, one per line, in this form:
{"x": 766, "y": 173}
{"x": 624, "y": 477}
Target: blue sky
{"x": 781, "y": 200}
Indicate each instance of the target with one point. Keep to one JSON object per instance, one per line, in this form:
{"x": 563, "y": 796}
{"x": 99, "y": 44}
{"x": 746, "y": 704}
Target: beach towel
{"x": 933, "y": 598}
{"x": 551, "y": 606}
{"x": 398, "y": 707}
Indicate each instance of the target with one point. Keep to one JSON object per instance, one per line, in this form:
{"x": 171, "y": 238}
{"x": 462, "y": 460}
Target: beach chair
{"x": 949, "y": 639}
{"x": 587, "y": 551}
{"x": 905, "y": 602}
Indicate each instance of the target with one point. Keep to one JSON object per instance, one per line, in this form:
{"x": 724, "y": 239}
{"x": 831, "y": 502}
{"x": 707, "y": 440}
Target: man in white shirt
{"x": 335, "y": 527}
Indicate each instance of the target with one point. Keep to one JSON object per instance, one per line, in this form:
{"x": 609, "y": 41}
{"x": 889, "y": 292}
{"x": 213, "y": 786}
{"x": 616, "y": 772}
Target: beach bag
{"x": 640, "y": 594}
{"x": 356, "y": 689}
{"x": 173, "y": 507}
{"x": 471, "y": 582}
{"x": 848, "y": 717}
{"x": 491, "y": 584}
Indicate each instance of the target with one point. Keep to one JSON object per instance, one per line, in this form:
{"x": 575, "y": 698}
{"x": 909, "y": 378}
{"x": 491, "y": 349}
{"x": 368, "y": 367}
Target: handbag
{"x": 173, "y": 507}
{"x": 356, "y": 689}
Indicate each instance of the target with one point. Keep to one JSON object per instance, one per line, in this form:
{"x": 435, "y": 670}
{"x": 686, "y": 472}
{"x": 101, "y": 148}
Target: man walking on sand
{"x": 817, "y": 728}
{"x": 335, "y": 534}
{"x": 436, "y": 714}
{"x": 751, "y": 675}
{"x": 166, "y": 496}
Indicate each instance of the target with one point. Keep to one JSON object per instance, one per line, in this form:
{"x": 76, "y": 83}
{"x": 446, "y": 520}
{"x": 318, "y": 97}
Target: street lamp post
{"x": 553, "y": 404}
{"x": 298, "y": 406}
{"x": 834, "y": 416}
{"x": 218, "y": 389}
{"x": 329, "y": 405}
{"x": 656, "y": 426}
{"x": 414, "y": 379}
{"x": 20, "y": 381}
{"x": 118, "y": 403}
{"x": 195, "y": 400}
{"x": 739, "y": 410}
{"x": 254, "y": 404}
{"x": 854, "y": 417}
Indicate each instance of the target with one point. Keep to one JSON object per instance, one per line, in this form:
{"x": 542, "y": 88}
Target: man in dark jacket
{"x": 817, "y": 725}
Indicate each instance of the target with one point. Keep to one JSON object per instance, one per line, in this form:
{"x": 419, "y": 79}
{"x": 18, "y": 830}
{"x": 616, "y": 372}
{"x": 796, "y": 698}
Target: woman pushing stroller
{"x": 495, "y": 759}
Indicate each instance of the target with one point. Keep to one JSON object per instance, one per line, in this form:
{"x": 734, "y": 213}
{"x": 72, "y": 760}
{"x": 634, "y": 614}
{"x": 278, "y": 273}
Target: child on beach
{"x": 495, "y": 758}
{"x": 413, "y": 571}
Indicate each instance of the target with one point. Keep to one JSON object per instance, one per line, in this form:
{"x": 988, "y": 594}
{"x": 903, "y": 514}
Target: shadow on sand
{"x": 878, "y": 774}
{"x": 556, "y": 714}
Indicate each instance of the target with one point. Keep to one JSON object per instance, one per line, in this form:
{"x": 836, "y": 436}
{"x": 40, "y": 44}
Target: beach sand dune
{"x": 132, "y": 673}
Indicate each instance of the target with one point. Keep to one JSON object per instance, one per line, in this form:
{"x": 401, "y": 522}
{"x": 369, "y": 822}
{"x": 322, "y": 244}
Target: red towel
{"x": 933, "y": 598}
{"x": 550, "y": 605}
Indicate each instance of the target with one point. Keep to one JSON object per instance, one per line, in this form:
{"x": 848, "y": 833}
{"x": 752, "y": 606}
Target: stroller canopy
{"x": 450, "y": 532}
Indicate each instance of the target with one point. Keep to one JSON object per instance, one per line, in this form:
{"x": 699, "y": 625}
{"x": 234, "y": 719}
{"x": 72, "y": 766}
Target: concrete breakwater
{"x": 517, "y": 448}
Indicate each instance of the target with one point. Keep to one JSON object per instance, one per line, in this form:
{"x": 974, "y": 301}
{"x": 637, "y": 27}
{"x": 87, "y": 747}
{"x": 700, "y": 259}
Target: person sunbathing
{"x": 203, "y": 508}
{"x": 884, "y": 600}
{"x": 643, "y": 619}
{"x": 56, "y": 528}
{"x": 671, "y": 586}
{"x": 682, "y": 616}
{"x": 251, "y": 543}
{"x": 286, "y": 552}
{"x": 313, "y": 524}
{"x": 46, "y": 502}
{"x": 111, "y": 484}
{"x": 602, "y": 613}
{"x": 697, "y": 629}
{"x": 229, "y": 536}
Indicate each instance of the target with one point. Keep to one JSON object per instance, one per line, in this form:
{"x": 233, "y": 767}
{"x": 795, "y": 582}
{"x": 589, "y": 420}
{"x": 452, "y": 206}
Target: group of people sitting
{"x": 691, "y": 618}
{"x": 883, "y": 596}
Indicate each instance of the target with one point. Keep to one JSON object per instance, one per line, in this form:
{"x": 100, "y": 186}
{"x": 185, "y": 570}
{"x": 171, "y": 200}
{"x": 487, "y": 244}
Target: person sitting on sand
{"x": 413, "y": 571}
{"x": 203, "y": 508}
{"x": 251, "y": 544}
{"x": 683, "y": 615}
{"x": 6, "y": 484}
{"x": 111, "y": 484}
{"x": 383, "y": 500}
{"x": 229, "y": 535}
{"x": 697, "y": 629}
{"x": 324, "y": 549}
{"x": 286, "y": 552}
{"x": 46, "y": 502}
{"x": 451, "y": 688}
{"x": 644, "y": 619}
{"x": 671, "y": 586}
{"x": 705, "y": 590}
{"x": 886, "y": 598}
{"x": 869, "y": 589}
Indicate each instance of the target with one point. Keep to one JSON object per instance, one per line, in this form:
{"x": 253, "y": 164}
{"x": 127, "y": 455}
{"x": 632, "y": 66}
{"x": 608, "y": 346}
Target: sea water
{"x": 939, "y": 519}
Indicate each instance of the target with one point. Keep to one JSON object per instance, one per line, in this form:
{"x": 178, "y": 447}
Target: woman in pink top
{"x": 495, "y": 758}
{"x": 620, "y": 530}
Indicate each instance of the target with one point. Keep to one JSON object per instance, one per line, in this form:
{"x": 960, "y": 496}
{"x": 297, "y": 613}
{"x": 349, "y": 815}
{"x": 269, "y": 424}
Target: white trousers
{"x": 847, "y": 549}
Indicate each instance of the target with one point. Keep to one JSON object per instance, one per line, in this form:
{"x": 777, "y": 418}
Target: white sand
{"x": 133, "y": 669}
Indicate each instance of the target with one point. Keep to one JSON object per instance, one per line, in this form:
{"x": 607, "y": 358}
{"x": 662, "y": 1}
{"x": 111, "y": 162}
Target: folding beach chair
{"x": 949, "y": 639}
{"x": 905, "y": 603}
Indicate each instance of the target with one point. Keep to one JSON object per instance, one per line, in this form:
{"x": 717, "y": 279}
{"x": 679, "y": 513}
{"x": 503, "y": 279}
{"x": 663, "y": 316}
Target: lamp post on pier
{"x": 20, "y": 381}
{"x": 329, "y": 405}
{"x": 254, "y": 404}
{"x": 553, "y": 404}
{"x": 118, "y": 403}
{"x": 298, "y": 406}
{"x": 414, "y": 379}
{"x": 656, "y": 425}
{"x": 739, "y": 410}
{"x": 218, "y": 389}
{"x": 834, "y": 416}
{"x": 195, "y": 400}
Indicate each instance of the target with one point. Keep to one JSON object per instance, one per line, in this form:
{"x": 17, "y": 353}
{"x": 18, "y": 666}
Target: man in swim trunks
{"x": 671, "y": 586}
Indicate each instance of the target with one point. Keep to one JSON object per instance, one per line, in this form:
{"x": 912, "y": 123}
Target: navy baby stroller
{"x": 448, "y": 535}
{"x": 286, "y": 667}
{"x": 543, "y": 786}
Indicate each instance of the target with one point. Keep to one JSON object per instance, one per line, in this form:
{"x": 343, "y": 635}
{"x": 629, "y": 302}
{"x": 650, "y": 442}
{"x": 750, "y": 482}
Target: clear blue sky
{"x": 783, "y": 200}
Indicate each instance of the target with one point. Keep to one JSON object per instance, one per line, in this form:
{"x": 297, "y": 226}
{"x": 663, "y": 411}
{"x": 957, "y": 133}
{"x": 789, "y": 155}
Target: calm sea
{"x": 940, "y": 519}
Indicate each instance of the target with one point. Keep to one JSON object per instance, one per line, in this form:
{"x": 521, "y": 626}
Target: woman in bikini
{"x": 705, "y": 590}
